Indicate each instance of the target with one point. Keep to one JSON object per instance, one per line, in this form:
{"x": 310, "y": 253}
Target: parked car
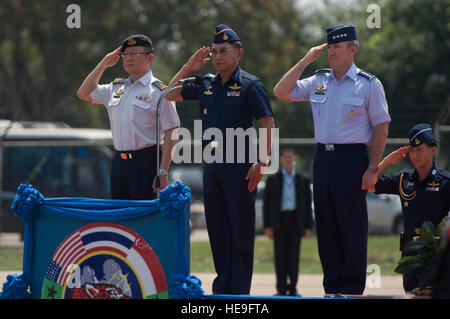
{"x": 385, "y": 214}
{"x": 384, "y": 211}
{"x": 58, "y": 160}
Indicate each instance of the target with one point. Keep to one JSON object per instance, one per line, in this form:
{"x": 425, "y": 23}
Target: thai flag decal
{"x": 104, "y": 261}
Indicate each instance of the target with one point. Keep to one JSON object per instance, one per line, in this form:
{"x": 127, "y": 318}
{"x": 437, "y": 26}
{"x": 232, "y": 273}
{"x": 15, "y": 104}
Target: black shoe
{"x": 294, "y": 294}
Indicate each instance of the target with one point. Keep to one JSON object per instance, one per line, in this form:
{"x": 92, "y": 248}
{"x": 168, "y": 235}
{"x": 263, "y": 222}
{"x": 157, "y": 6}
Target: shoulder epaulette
{"x": 159, "y": 85}
{"x": 367, "y": 75}
{"x": 322, "y": 71}
{"x": 119, "y": 81}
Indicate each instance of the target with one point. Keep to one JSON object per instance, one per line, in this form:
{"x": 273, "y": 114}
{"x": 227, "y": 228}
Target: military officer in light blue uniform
{"x": 350, "y": 114}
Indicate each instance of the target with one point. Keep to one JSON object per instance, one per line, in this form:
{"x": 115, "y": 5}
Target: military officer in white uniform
{"x": 131, "y": 105}
{"x": 350, "y": 113}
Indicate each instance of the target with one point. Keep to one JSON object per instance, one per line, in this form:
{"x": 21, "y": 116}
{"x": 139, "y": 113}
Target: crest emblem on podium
{"x": 104, "y": 261}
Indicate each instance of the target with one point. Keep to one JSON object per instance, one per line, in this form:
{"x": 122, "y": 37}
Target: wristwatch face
{"x": 162, "y": 172}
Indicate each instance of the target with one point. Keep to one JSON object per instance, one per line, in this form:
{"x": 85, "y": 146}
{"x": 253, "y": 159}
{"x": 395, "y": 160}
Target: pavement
{"x": 262, "y": 284}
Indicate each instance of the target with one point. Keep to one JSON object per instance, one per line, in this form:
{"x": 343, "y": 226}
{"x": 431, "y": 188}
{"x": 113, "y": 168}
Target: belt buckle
{"x": 329, "y": 147}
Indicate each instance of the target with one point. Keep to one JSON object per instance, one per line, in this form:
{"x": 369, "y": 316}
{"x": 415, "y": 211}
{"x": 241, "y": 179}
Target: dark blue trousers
{"x": 230, "y": 220}
{"x": 132, "y": 174}
{"x": 341, "y": 217}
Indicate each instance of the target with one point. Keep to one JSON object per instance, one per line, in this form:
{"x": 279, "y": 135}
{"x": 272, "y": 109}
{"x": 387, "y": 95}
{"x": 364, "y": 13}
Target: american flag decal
{"x": 100, "y": 254}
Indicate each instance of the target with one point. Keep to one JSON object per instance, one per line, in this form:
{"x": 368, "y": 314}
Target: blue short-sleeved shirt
{"x": 427, "y": 200}
{"x": 344, "y": 112}
{"x": 233, "y": 105}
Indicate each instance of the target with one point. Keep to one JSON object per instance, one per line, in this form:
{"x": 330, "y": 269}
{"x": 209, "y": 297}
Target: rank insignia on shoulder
{"x": 366, "y": 75}
{"x": 119, "y": 81}
{"x": 234, "y": 87}
{"x": 322, "y": 71}
{"x": 208, "y": 92}
{"x": 160, "y": 85}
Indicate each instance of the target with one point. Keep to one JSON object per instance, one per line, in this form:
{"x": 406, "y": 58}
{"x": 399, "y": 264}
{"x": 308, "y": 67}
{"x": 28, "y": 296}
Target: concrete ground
{"x": 262, "y": 284}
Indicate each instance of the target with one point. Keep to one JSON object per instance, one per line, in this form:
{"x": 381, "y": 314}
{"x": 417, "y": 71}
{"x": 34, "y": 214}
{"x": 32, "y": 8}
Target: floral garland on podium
{"x": 171, "y": 204}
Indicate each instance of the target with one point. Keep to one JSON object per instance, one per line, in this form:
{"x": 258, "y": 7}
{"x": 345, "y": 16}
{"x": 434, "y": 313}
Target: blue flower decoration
{"x": 173, "y": 200}
{"x": 15, "y": 287}
{"x": 27, "y": 202}
{"x": 189, "y": 287}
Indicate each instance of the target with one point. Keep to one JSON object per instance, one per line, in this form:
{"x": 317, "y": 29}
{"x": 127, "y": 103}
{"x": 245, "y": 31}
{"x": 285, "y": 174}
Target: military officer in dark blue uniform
{"x": 351, "y": 119}
{"x": 424, "y": 191}
{"x": 230, "y": 99}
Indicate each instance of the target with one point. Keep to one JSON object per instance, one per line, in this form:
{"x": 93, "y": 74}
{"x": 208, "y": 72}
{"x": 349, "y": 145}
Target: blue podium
{"x": 84, "y": 248}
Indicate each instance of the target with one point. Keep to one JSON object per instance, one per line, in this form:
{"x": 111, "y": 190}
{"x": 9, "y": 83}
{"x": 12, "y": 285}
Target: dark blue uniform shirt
{"x": 233, "y": 105}
{"x": 427, "y": 200}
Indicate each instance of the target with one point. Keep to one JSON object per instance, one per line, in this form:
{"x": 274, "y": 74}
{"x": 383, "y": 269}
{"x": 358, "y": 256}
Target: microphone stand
{"x": 158, "y": 142}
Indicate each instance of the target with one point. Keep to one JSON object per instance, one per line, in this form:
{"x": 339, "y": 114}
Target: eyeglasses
{"x": 222, "y": 51}
{"x": 132, "y": 54}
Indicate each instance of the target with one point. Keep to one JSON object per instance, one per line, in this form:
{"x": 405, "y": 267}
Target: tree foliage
{"x": 43, "y": 62}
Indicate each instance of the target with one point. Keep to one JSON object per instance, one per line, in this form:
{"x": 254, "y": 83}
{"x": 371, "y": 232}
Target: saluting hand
{"x": 198, "y": 59}
{"x": 313, "y": 53}
{"x": 397, "y": 155}
{"x": 111, "y": 58}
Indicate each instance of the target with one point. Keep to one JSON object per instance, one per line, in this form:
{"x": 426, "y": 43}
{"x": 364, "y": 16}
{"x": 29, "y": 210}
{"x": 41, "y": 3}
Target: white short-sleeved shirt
{"x": 132, "y": 111}
{"x": 344, "y": 112}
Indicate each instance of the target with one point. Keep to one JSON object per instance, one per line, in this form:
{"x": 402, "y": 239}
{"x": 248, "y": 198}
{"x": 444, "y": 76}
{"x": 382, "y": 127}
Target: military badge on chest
{"x": 234, "y": 90}
{"x": 432, "y": 187}
{"x": 118, "y": 93}
{"x": 320, "y": 90}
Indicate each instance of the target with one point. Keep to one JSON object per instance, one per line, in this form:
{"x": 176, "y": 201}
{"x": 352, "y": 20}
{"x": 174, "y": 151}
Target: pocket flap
{"x": 354, "y": 100}
{"x": 142, "y": 104}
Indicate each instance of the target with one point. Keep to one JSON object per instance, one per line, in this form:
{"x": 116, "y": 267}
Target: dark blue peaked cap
{"x": 225, "y": 34}
{"x": 137, "y": 40}
{"x": 340, "y": 33}
{"x": 419, "y": 134}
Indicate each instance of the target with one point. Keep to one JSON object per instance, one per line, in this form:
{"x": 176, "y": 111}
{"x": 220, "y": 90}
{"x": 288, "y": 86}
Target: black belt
{"x": 288, "y": 211}
{"x": 340, "y": 147}
{"x": 129, "y": 155}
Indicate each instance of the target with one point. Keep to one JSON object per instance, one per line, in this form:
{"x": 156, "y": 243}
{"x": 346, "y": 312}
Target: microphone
{"x": 196, "y": 79}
